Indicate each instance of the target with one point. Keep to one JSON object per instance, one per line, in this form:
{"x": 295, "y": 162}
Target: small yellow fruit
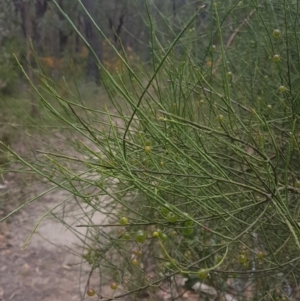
{"x": 169, "y": 265}
{"x": 276, "y": 58}
{"x": 174, "y": 233}
{"x": 203, "y": 274}
{"x": 188, "y": 254}
{"x": 260, "y": 254}
{"x": 126, "y": 236}
{"x": 171, "y": 217}
{"x": 123, "y": 221}
{"x": 140, "y": 236}
{"x": 276, "y": 33}
{"x": 113, "y": 286}
{"x": 229, "y": 74}
{"x": 219, "y": 118}
{"x": 137, "y": 252}
{"x": 90, "y": 292}
{"x": 163, "y": 236}
{"x": 282, "y": 89}
{"x": 242, "y": 258}
{"x": 155, "y": 234}
{"x": 134, "y": 261}
{"x": 147, "y": 149}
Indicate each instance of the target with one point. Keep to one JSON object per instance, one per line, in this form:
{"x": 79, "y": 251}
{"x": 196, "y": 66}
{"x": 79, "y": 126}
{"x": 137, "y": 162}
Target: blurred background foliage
{"x": 36, "y": 32}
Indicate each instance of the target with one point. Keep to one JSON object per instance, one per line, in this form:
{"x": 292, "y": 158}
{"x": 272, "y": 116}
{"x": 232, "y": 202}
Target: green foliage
{"x": 9, "y": 71}
{"x": 201, "y": 156}
{"x": 10, "y": 43}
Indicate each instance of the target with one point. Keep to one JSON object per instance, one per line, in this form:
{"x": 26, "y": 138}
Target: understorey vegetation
{"x": 195, "y": 163}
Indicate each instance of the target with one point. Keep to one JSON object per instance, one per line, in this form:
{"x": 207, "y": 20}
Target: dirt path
{"x": 46, "y": 270}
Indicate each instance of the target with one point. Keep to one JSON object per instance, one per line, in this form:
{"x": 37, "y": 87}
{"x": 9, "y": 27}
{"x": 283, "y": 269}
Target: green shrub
{"x": 197, "y": 165}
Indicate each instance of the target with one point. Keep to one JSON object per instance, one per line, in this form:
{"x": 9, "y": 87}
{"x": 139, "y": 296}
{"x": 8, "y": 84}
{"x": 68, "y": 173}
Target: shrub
{"x": 196, "y": 166}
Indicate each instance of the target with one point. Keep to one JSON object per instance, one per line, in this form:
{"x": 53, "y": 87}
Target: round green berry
{"x": 229, "y": 74}
{"x": 134, "y": 261}
{"x": 155, "y": 234}
{"x": 260, "y": 254}
{"x": 163, "y": 236}
{"x": 113, "y": 286}
{"x": 242, "y": 258}
{"x": 123, "y": 221}
{"x": 171, "y": 217}
{"x": 276, "y": 33}
{"x": 165, "y": 209}
{"x": 234, "y": 275}
{"x": 137, "y": 252}
{"x": 188, "y": 231}
{"x": 126, "y": 236}
{"x": 282, "y": 89}
{"x": 90, "y": 292}
{"x": 203, "y": 274}
{"x": 188, "y": 254}
{"x": 169, "y": 265}
{"x": 220, "y": 118}
{"x": 140, "y": 236}
{"x": 147, "y": 149}
{"x": 174, "y": 233}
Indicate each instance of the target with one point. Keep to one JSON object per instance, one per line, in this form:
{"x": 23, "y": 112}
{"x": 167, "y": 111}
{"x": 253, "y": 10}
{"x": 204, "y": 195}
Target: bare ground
{"x": 45, "y": 270}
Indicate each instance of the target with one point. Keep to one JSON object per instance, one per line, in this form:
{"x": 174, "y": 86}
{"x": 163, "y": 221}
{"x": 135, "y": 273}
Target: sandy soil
{"x": 45, "y": 270}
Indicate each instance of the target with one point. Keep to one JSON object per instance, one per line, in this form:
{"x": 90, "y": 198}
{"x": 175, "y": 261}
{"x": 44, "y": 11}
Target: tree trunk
{"x": 40, "y": 10}
{"x": 24, "y": 7}
{"x": 93, "y": 38}
{"x": 63, "y": 37}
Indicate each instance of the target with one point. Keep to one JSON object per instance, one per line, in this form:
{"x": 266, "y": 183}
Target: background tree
{"x": 94, "y": 39}
{"x": 124, "y": 23}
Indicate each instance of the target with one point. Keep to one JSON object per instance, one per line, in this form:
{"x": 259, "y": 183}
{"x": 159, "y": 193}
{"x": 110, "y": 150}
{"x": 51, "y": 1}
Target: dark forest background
{"x": 37, "y": 33}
